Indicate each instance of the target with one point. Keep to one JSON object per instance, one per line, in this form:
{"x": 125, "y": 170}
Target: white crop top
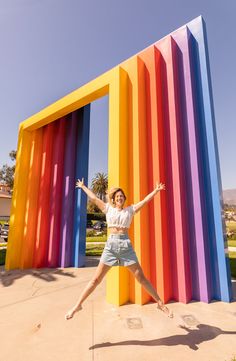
{"x": 116, "y": 218}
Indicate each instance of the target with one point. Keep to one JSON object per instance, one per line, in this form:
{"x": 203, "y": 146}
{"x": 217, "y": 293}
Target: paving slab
{"x": 33, "y": 304}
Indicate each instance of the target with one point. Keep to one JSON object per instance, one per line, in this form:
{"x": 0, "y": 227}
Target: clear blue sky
{"x": 51, "y": 47}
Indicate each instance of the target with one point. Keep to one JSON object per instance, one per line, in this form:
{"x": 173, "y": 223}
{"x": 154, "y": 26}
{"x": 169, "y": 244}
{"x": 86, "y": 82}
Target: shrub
{"x": 96, "y": 217}
{"x": 2, "y": 256}
{"x": 232, "y": 263}
{"x": 90, "y": 233}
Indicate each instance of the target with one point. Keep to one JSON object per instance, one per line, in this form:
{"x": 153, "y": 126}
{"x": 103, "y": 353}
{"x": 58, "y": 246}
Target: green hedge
{"x": 96, "y": 217}
{"x": 232, "y": 262}
{"x": 3, "y": 252}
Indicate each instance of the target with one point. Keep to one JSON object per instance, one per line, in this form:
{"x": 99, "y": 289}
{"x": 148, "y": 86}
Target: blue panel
{"x": 212, "y": 181}
{"x": 204, "y": 172}
{"x": 80, "y": 212}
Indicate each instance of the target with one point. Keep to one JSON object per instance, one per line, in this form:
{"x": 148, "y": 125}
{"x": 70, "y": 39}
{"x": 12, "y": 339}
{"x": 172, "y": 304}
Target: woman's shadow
{"x": 192, "y": 339}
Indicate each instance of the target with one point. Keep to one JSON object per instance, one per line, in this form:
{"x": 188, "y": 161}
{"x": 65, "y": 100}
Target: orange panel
{"x": 32, "y": 200}
{"x": 140, "y": 233}
{"x": 158, "y": 217}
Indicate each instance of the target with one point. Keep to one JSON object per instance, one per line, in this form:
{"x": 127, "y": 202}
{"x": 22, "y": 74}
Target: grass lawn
{"x": 97, "y": 239}
{"x": 94, "y": 250}
{"x": 2, "y": 221}
{"x": 231, "y": 225}
{"x": 231, "y": 243}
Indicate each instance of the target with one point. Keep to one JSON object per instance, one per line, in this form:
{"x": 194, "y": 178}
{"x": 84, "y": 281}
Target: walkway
{"x": 33, "y": 304}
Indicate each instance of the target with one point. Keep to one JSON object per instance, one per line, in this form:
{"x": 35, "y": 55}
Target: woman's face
{"x": 119, "y": 199}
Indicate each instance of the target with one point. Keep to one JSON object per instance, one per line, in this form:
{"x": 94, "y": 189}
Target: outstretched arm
{"x": 139, "y": 205}
{"x": 99, "y": 203}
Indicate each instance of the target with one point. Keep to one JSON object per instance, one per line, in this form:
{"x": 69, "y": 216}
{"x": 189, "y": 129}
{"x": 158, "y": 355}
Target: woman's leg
{"x": 137, "y": 271}
{"x": 100, "y": 272}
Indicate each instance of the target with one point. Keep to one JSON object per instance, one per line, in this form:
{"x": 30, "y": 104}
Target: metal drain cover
{"x": 134, "y": 323}
{"x": 190, "y": 320}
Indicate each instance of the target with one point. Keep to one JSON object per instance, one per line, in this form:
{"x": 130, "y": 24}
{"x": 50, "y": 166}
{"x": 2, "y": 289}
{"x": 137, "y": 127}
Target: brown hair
{"x": 112, "y": 192}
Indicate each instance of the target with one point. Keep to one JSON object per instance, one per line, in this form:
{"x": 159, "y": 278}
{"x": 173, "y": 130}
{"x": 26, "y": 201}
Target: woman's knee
{"x": 139, "y": 275}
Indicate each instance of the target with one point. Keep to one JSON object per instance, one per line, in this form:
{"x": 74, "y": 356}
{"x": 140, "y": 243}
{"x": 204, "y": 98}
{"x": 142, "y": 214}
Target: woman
{"x": 118, "y": 249}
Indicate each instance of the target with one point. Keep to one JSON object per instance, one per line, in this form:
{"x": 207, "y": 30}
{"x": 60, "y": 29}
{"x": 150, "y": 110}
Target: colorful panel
{"x": 80, "y": 210}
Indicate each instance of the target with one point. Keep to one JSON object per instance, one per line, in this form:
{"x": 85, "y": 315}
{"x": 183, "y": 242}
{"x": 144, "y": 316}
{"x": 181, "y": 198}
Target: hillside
{"x": 229, "y": 196}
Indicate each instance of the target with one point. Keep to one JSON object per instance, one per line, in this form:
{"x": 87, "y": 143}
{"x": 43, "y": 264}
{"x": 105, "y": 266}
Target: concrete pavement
{"x": 33, "y": 304}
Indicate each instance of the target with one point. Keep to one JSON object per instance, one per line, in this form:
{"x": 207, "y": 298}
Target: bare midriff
{"x": 118, "y": 230}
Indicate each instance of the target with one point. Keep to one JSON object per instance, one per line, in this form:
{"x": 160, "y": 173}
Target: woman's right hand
{"x": 79, "y": 183}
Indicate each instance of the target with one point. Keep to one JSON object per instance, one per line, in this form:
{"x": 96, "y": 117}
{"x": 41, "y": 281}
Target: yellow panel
{"x": 18, "y": 201}
{"x": 118, "y": 280}
{"x": 86, "y": 94}
{"x": 117, "y": 286}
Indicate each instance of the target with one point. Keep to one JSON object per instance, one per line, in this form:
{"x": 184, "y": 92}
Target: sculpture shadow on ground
{"x": 192, "y": 339}
{"x": 7, "y": 278}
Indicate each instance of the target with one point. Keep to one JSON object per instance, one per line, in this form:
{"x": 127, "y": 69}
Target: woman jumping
{"x": 118, "y": 250}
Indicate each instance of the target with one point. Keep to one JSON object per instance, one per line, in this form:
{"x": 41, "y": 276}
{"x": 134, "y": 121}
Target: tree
{"x": 92, "y": 208}
{"x": 12, "y": 155}
{"x": 99, "y": 185}
{"x": 7, "y": 172}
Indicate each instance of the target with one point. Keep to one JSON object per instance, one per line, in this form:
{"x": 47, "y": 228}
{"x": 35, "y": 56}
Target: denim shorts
{"x": 118, "y": 251}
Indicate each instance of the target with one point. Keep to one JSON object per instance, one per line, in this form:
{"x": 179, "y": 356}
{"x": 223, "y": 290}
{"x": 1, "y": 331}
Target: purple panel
{"x": 199, "y": 253}
{"x": 221, "y": 280}
{"x": 68, "y": 191}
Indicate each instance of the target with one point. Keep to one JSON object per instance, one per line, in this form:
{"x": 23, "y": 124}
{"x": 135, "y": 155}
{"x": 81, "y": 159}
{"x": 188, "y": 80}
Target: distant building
{"x": 4, "y": 188}
{"x": 5, "y": 205}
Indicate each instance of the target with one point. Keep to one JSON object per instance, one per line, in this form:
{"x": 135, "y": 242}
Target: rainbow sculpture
{"x": 161, "y": 128}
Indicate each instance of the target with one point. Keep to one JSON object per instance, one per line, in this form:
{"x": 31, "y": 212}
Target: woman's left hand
{"x": 160, "y": 186}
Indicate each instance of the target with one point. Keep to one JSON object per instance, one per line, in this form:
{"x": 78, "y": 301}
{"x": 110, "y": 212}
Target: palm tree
{"x": 99, "y": 185}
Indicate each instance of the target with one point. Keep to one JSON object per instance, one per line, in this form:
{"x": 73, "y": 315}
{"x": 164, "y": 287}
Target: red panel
{"x": 42, "y": 236}
{"x": 56, "y": 194}
{"x": 177, "y": 212}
